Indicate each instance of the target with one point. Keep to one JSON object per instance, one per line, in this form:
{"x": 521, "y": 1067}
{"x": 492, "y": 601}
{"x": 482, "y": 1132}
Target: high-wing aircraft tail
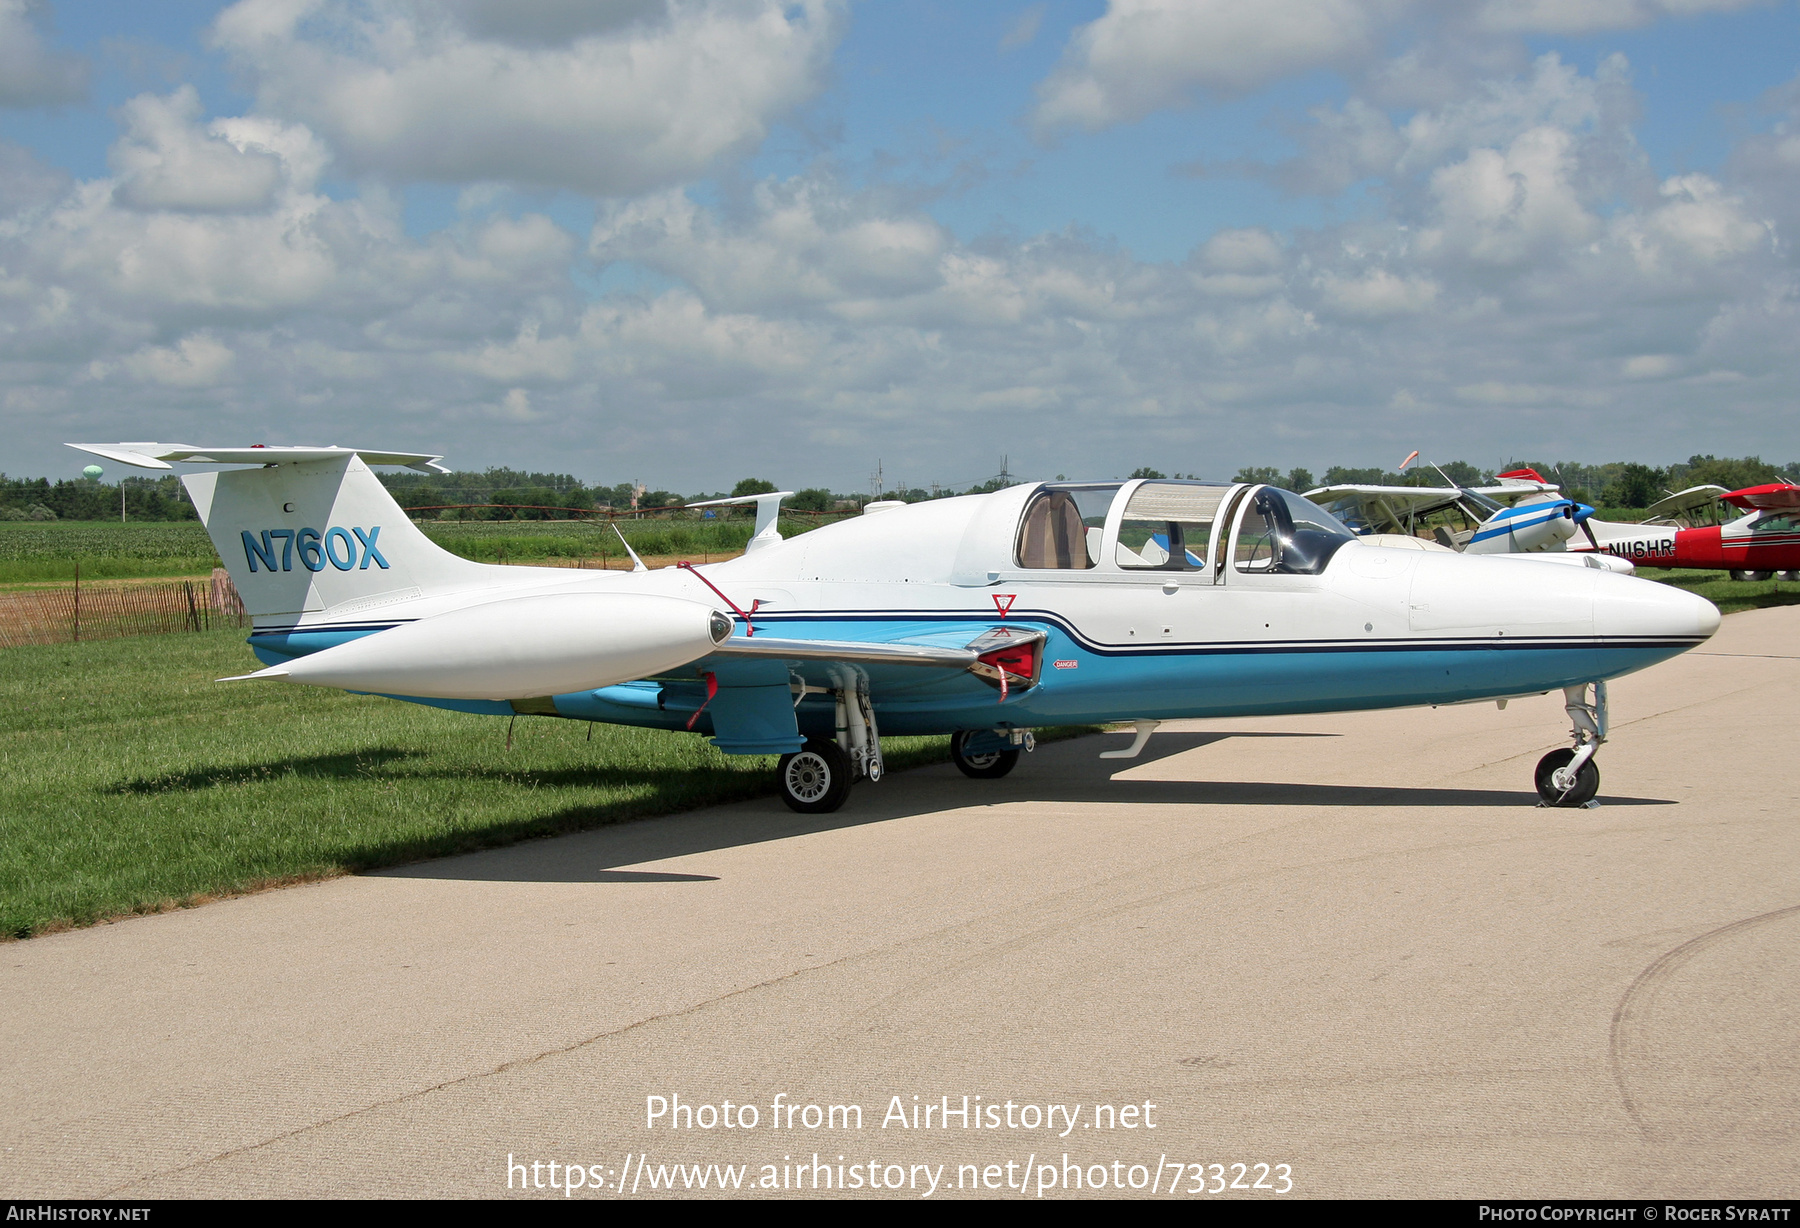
{"x": 311, "y": 528}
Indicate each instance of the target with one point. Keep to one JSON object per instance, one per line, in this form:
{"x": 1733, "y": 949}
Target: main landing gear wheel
{"x": 1587, "y": 780}
{"x": 816, "y": 778}
{"x": 990, "y": 765}
{"x": 1788, "y": 575}
{"x": 1753, "y": 576}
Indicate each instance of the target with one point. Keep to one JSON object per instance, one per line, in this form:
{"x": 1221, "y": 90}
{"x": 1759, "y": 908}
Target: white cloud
{"x": 1251, "y": 250}
{"x": 1494, "y": 392}
{"x": 1376, "y": 295}
{"x": 1520, "y": 258}
{"x": 1506, "y": 206}
{"x": 196, "y": 361}
{"x": 302, "y": 155}
{"x": 611, "y": 99}
{"x": 1648, "y": 366}
{"x": 1358, "y": 140}
{"x": 1145, "y": 55}
{"x": 541, "y": 22}
{"x": 1590, "y": 16}
{"x": 30, "y": 73}
{"x": 1698, "y": 222}
{"x": 1553, "y": 95}
{"x": 515, "y": 406}
{"x": 26, "y": 183}
{"x": 1148, "y": 55}
{"x": 796, "y": 243}
{"x": 165, "y": 161}
{"x": 528, "y": 356}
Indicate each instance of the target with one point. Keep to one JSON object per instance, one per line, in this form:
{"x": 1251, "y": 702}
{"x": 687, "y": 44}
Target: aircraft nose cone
{"x": 1626, "y": 606}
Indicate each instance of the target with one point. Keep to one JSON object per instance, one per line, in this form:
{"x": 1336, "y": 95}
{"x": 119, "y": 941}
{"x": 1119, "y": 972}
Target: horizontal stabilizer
{"x": 768, "y": 512}
{"x": 158, "y": 455}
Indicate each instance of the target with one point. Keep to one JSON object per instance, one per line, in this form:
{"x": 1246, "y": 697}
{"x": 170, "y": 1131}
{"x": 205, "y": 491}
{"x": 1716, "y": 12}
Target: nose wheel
{"x": 1569, "y": 776}
{"x": 1554, "y": 767}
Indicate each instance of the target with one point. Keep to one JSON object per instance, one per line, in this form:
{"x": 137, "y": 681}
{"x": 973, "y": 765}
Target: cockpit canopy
{"x": 1175, "y": 526}
{"x": 1282, "y": 534}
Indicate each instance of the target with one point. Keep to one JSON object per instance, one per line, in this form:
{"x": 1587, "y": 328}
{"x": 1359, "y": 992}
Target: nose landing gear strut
{"x": 1570, "y": 777}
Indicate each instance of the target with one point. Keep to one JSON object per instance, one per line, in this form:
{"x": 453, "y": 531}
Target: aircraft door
{"x": 1159, "y": 543}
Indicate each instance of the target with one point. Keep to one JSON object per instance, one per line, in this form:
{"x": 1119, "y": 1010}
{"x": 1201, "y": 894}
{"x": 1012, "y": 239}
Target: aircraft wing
{"x": 1513, "y": 489}
{"x": 1774, "y": 497}
{"x": 1683, "y": 501}
{"x": 1383, "y": 509}
{"x": 1409, "y": 496}
{"x": 856, "y": 652}
{"x": 1010, "y": 657}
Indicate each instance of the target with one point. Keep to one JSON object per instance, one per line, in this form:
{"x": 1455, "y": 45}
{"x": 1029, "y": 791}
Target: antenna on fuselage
{"x": 637, "y": 564}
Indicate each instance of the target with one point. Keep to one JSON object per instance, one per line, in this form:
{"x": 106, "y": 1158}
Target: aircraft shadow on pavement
{"x": 1074, "y": 774}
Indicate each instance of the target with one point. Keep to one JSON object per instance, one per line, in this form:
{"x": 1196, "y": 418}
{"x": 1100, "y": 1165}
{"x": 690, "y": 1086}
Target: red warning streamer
{"x": 712, "y": 688}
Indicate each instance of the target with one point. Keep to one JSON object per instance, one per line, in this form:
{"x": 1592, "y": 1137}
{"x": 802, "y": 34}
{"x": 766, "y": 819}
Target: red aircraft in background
{"x": 1755, "y": 546}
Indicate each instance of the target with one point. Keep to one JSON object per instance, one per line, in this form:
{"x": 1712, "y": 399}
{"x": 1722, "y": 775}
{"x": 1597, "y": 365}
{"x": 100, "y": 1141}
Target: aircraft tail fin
{"x": 305, "y": 535}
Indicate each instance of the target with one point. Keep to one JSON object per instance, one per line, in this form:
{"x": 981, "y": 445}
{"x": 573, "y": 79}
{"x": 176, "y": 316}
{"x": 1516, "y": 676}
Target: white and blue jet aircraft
{"x": 983, "y": 617}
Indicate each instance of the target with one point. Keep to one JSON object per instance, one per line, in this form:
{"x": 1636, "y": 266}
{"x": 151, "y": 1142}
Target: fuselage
{"x": 1759, "y": 541}
{"x": 1135, "y": 625}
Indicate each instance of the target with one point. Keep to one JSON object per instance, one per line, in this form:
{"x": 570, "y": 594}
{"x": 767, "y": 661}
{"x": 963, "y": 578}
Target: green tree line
{"x": 1616, "y": 484}
{"x": 87, "y": 499}
{"x": 553, "y": 496}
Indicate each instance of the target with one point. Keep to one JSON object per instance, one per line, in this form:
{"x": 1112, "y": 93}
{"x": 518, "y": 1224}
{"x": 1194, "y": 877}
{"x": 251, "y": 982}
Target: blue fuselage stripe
{"x": 1096, "y": 682}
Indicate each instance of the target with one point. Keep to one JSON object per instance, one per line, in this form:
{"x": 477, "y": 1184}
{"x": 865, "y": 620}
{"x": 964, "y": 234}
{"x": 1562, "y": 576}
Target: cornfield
{"x": 75, "y": 612}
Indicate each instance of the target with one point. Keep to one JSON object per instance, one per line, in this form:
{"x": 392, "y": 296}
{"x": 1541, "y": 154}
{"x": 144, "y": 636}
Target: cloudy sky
{"x": 690, "y": 240}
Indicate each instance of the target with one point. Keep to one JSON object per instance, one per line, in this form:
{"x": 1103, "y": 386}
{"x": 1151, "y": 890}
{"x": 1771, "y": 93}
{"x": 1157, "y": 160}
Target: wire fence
{"x": 75, "y": 612}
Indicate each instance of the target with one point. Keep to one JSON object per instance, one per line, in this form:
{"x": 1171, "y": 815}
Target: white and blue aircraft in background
{"x": 983, "y": 617}
{"x": 1520, "y": 513}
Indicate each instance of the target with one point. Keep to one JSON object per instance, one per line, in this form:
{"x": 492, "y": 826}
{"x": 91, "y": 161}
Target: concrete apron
{"x": 1347, "y": 944}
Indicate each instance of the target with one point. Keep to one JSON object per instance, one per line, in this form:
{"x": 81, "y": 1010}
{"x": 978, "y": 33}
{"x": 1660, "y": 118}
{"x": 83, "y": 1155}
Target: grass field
{"x": 39, "y": 552}
{"x": 526, "y": 541}
{"x": 131, "y": 782}
{"x": 1730, "y": 595}
{"x": 34, "y": 551}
